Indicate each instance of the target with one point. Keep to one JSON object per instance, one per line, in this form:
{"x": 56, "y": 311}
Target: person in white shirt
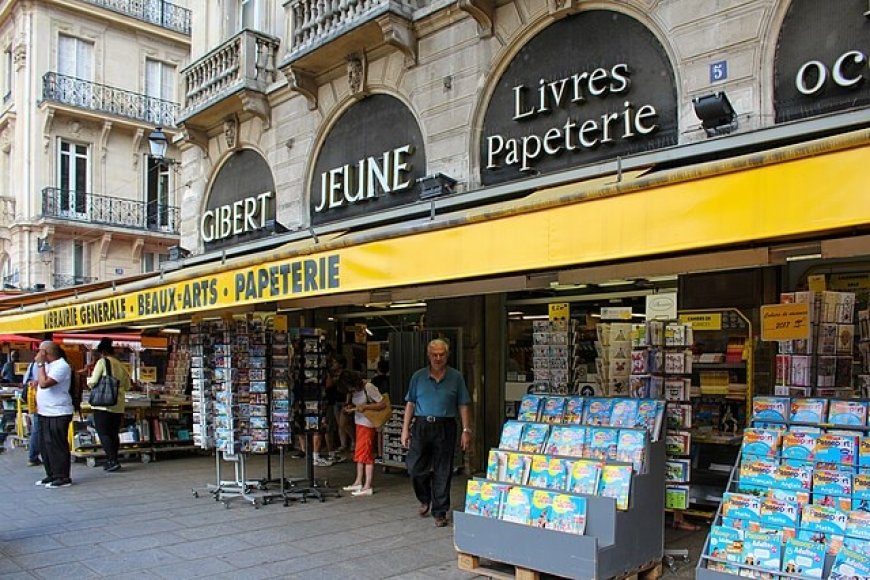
{"x": 363, "y": 396}
{"x": 55, "y": 407}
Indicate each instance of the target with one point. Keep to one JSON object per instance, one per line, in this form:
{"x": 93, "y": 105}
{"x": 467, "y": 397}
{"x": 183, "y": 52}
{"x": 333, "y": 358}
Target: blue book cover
{"x": 539, "y": 471}
{"x": 491, "y": 498}
{"x": 804, "y": 558}
{"x": 631, "y": 448}
{"x": 847, "y": 413}
{"x": 597, "y": 411}
{"x": 725, "y": 544}
{"x": 573, "y": 414}
{"x": 585, "y": 476}
{"x": 793, "y": 477}
{"x": 569, "y": 514}
{"x": 743, "y": 506}
{"x": 760, "y": 442}
{"x": 534, "y": 437}
{"x": 496, "y": 465}
{"x": 473, "y": 504}
{"x": 650, "y": 415}
{"x": 850, "y": 564}
{"x": 624, "y": 413}
{"x": 858, "y": 525}
{"x": 837, "y": 448}
{"x": 823, "y": 519}
{"x": 603, "y": 442}
{"x": 530, "y": 406}
{"x": 799, "y": 446}
{"x": 757, "y": 474}
{"x": 808, "y": 410}
{"x": 832, "y": 488}
{"x": 517, "y": 505}
{"x": 567, "y": 440}
{"x": 616, "y": 483}
{"x": 762, "y": 551}
{"x": 541, "y": 512}
{"x": 511, "y": 435}
{"x": 861, "y": 492}
{"x": 552, "y": 410}
{"x": 780, "y": 514}
{"x": 832, "y": 542}
{"x": 770, "y": 408}
{"x": 517, "y": 468}
{"x": 558, "y": 473}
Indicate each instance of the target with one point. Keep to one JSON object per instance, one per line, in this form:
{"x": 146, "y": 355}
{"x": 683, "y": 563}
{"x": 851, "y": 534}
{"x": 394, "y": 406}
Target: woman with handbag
{"x": 368, "y": 406}
{"x": 108, "y": 417}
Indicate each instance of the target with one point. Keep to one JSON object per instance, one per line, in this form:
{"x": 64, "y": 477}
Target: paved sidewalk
{"x": 143, "y": 522}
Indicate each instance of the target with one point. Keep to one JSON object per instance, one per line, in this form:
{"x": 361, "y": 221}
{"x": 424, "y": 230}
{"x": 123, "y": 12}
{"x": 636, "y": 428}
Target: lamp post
{"x": 158, "y": 142}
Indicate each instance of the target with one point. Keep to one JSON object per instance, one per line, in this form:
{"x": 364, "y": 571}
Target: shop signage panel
{"x": 241, "y": 202}
{"x": 654, "y": 219}
{"x": 821, "y": 61}
{"x": 616, "y": 313}
{"x": 148, "y": 374}
{"x": 563, "y": 103}
{"x": 371, "y": 160}
{"x": 703, "y": 321}
{"x": 850, "y": 282}
{"x": 785, "y": 321}
{"x": 559, "y": 311}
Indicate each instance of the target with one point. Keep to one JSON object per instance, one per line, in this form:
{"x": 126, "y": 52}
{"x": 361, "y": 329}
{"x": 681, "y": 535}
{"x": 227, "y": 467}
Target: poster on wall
{"x": 613, "y": 94}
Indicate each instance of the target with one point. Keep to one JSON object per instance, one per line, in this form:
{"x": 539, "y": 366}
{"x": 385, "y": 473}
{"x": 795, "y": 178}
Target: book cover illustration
{"x": 616, "y": 483}
{"x": 858, "y": 526}
{"x": 552, "y": 410}
{"x": 780, "y": 514}
{"x": 646, "y": 416}
{"x": 679, "y": 416}
{"x": 793, "y": 477}
{"x": 808, "y": 410}
{"x": 517, "y": 505}
{"x": 801, "y": 498}
{"x": 511, "y": 435}
{"x": 496, "y": 465}
{"x": 757, "y": 474}
{"x": 558, "y": 473}
{"x": 832, "y": 488}
{"x": 677, "y": 497}
{"x": 832, "y": 542}
{"x": 760, "y": 442}
{"x": 631, "y": 448}
{"x": 679, "y": 443}
{"x": 847, "y": 412}
{"x": 743, "y": 506}
{"x": 743, "y": 525}
{"x": 825, "y": 519}
{"x": 585, "y": 476}
{"x": 491, "y": 498}
{"x": 850, "y": 564}
{"x": 573, "y": 413}
{"x": 597, "y": 411}
{"x": 799, "y": 446}
{"x": 725, "y": 544}
{"x": 761, "y": 551}
{"x": 517, "y": 468}
{"x": 770, "y": 408}
{"x": 472, "y": 497}
{"x": 861, "y": 492}
{"x": 624, "y": 413}
{"x": 804, "y": 558}
{"x": 541, "y": 511}
{"x": 837, "y": 448}
{"x": 603, "y": 443}
{"x": 567, "y": 440}
{"x": 530, "y": 405}
{"x": 568, "y": 514}
{"x": 678, "y": 470}
{"x": 539, "y": 471}
{"x": 534, "y": 437}
{"x": 676, "y": 390}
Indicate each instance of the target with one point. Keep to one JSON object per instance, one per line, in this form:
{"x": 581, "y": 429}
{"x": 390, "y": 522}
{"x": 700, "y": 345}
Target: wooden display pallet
{"x": 502, "y": 571}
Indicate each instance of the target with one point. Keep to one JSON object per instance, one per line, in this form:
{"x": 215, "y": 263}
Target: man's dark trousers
{"x": 55, "y": 445}
{"x": 430, "y": 462}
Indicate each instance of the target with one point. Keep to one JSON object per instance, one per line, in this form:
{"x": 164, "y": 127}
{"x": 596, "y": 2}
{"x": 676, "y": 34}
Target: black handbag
{"x": 105, "y": 392}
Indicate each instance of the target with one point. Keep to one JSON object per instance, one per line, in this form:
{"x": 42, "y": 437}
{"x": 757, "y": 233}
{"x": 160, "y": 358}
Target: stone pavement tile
{"x": 329, "y": 542}
{"x": 134, "y": 527}
{"x": 7, "y": 566}
{"x": 257, "y": 556}
{"x": 81, "y": 537}
{"x": 17, "y": 576}
{"x": 30, "y": 545}
{"x": 193, "y": 568}
{"x": 37, "y": 560}
{"x": 209, "y": 546}
{"x": 444, "y": 571}
{"x": 65, "y": 571}
{"x": 134, "y": 544}
{"x": 120, "y": 564}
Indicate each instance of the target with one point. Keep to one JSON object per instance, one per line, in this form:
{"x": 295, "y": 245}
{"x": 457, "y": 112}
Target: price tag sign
{"x": 148, "y": 374}
{"x": 559, "y": 311}
{"x": 785, "y": 321}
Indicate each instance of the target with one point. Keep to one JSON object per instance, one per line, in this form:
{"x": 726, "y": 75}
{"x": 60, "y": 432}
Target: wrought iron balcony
{"x": 243, "y": 64}
{"x": 157, "y": 12}
{"x": 111, "y": 211}
{"x": 67, "y": 280}
{"x": 111, "y": 100}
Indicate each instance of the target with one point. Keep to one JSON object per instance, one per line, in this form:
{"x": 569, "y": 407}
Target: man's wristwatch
{"x": 466, "y": 430}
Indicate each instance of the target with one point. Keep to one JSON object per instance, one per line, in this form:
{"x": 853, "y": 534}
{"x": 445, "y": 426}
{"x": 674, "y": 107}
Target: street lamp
{"x": 158, "y": 142}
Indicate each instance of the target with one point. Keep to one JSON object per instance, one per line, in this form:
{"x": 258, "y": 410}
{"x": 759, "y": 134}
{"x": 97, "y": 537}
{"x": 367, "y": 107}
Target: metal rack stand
{"x": 313, "y": 488}
{"x": 287, "y": 490}
{"x": 240, "y": 487}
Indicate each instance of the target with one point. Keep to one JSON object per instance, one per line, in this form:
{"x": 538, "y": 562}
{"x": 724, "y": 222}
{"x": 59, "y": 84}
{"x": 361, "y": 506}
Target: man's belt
{"x": 432, "y": 419}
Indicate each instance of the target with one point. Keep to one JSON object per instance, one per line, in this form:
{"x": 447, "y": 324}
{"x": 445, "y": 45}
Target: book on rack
{"x": 603, "y": 442}
{"x": 616, "y": 483}
{"x": 517, "y": 505}
{"x": 847, "y": 413}
{"x": 677, "y": 497}
{"x": 760, "y": 442}
{"x": 511, "y": 435}
{"x": 597, "y": 411}
{"x": 678, "y": 470}
{"x": 651, "y": 415}
{"x": 569, "y": 514}
{"x": 837, "y": 449}
{"x": 624, "y": 413}
{"x": 552, "y": 410}
{"x": 762, "y": 551}
{"x": 568, "y": 440}
{"x": 573, "y": 414}
{"x": 496, "y": 465}
{"x": 585, "y": 476}
{"x": 774, "y": 409}
{"x": 631, "y": 448}
{"x": 725, "y": 544}
{"x": 804, "y": 558}
{"x": 849, "y": 565}
{"x": 530, "y": 406}
{"x": 541, "y": 510}
{"x": 832, "y": 488}
{"x": 517, "y": 468}
{"x": 540, "y": 472}
{"x": 808, "y": 410}
{"x": 679, "y": 443}
{"x": 534, "y": 437}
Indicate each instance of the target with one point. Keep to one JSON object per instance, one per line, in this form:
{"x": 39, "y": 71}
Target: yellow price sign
{"x": 559, "y": 311}
{"x": 703, "y": 321}
{"x": 785, "y": 321}
{"x": 148, "y": 374}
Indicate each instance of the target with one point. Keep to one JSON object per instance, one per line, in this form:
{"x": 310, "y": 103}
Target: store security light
{"x": 158, "y": 142}
{"x": 436, "y": 185}
{"x": 716, "y": 113}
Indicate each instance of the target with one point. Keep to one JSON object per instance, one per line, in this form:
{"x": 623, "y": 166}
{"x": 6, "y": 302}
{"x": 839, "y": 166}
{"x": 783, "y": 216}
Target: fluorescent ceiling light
{"x": 803, "y": 257}
{"x": 369, "y": 332}
{"x": 407, "y": 304}
{"x": 171, "y": 331}
{"x": 669, "y": 278}
{"x": 515, "y": 313}
{"x": 614, "y": 283}
{"x": 536, "y": 317}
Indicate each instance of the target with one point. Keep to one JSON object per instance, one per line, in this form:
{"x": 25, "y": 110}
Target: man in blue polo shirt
{"x": 435, "y": 395}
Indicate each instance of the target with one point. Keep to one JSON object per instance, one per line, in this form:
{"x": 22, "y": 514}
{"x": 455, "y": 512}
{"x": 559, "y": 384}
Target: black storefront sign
{"x": 590, "y": 87}
{"x": 822, "y": 59}
{"x": 241, "y": 204}
{"x": 371, "y": 160}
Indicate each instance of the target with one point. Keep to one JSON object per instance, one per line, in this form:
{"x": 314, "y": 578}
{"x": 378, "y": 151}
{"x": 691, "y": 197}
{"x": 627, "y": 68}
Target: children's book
{"x": 678, "y": 470}
{"x": 832, "y": 542}
{"x": 472, "y": 497}
{"x": 552, "y": 410}
{"x": 850, "y": 564}
{"x": 517, "y": 505}
{"x": 492, "y": 498}
{"x": 597, "y": 411}
{"x": 801, "y": 498}
{"x": 585, "y": 476}
{"x": 770, "y": 408}
{"x": 603, "y": 442}
{"x": 861, "y": 492}
{"x": 650, "y": 415}
{"x": 864, "y": 452}
{"x": 573, "y": 414}
{"x": 679, "y": 416}
{"x": 616, "y": 483}
{"x": 624, "y": 413}
{"x": 847, "y": 412}
{"x": 793, "y": 477}
{"x": 804, "y": 558}
{"x": 760, "y": 442}
{"x": 757, "y": 475}
{"x": 631, "y": 448}
{"x": 568, "y": 440}
{"x": 743, "y": 506}
{"x": 558, "y": 473}
{"x": 517, "y": 468}
{"x": 762, "y": 551}
{"x": 541, "y": 512}
{"x": 832, "y": 488}
{"x": 511, "y": 435}
{"x": 858, "y": 525}
{"x": 837, "y": 448}
{"x": 679, "y": 443}
{"x": 534, "y": 437}
{"x": 530, "y": 406}
{"x": 539, "y": 471}
{"x": 821, "y": 518}
{"x": 496, "y": 465}
{"x": 677, "y": 497}
{"x": 780, "y": 514}
{"x": 569, "y": 514}
{"x": 808, "y": 410}
{"x": 799, "y": 447}
{"x": 725, "y": 544}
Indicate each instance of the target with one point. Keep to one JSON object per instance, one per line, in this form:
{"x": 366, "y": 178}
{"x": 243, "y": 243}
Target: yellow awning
{"x": 758, "y": 198}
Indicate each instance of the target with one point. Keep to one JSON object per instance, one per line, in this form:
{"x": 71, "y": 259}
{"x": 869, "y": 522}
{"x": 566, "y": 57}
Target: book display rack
{"x": 575, "y": 489}
{"x": 394, "y": 454}
{"x": 798, "y": 503}
{"x": 863, "y": 386}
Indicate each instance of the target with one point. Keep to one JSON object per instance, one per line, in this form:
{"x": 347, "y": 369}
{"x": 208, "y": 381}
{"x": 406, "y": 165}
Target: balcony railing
{"x": 111, "y": 100}
{"x": 110, "y": 211}
{"x": 157, "y": 12}
{"x": 245, "y": 61}
{"x": 67, "y": 280}
{"x": 316, "y": 22}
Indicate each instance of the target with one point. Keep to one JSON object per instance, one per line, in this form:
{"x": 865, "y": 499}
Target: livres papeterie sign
{"x": 590, "y": 87}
